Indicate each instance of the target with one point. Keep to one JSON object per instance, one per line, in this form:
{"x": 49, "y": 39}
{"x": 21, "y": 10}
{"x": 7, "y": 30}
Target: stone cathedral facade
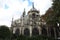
{"x": 29, "y": 24}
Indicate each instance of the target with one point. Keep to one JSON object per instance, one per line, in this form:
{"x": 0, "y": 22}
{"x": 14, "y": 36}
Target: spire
{"x": 33, "y": 5}
{"x": 12, "y": 25}
{"x": 24, "y": 12}
{"x": 12, "y": 18}
{"x": 12, "y": 22}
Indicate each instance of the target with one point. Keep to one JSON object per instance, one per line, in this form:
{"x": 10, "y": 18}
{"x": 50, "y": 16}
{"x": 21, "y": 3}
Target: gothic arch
{"x": 17, "y": 32}
{"x": 44, "y": 31}
{"x": 35, "y": 31}
{"x": 26, "y": 32}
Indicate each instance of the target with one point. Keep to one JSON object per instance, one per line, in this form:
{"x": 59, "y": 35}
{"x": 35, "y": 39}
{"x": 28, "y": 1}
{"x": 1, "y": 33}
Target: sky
{"x": 15, "y": 8}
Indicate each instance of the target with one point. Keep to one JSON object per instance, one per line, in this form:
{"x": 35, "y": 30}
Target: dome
{"x": 33, "y": 9}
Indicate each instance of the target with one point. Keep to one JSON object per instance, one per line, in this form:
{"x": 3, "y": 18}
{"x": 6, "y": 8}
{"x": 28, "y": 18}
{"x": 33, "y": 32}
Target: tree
{"x": 56, "y": 8}
{"x": 53, "y": 16}
{"x": 4, "y": 32}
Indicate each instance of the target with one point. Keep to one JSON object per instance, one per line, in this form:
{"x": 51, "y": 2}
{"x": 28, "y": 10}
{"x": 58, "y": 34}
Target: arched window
{"x": 26, "y": 32}
{"x": 17, "y": 32}
{"x": 35, "y": 31}
{"x": 44, "y": 31}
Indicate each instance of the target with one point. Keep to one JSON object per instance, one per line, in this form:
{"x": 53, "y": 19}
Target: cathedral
{"x": 31, "y": 24}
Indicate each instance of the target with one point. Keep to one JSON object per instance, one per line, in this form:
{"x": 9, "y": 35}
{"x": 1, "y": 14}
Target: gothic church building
{"x": 30, "y": 24}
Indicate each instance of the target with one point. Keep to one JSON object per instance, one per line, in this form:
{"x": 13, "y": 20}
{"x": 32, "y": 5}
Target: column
{"x": 30, "y": 31}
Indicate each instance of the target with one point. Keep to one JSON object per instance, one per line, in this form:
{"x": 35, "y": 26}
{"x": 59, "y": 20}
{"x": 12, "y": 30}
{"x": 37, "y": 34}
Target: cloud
{"x": 14, "y": 8}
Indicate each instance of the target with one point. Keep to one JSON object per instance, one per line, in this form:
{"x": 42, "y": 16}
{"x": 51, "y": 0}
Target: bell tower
{"x": 34, "y": 21}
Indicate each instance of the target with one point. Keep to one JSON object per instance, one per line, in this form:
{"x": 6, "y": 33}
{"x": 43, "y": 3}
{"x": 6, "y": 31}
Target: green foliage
{"x": 4, "y": 32}
{"x": 54, "y": 17}
{"x": 56, "y": 9}
{"x": 39, "y": 37}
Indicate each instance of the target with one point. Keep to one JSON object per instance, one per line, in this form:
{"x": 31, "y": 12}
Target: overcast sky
{"x": 14, "y": 8}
